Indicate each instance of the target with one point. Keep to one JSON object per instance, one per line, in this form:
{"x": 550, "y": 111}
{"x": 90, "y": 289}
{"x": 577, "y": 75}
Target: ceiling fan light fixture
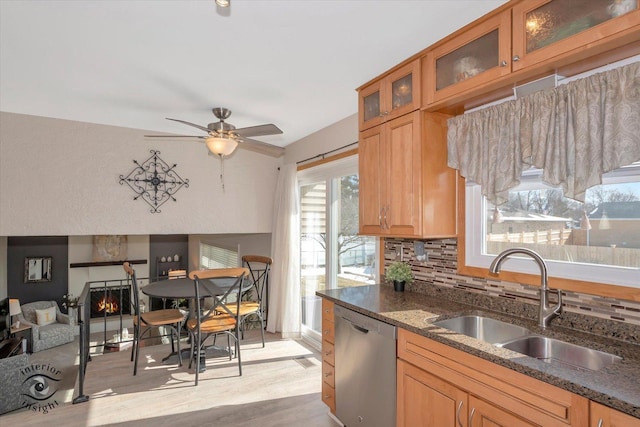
{"x": 223, "y": 3}
{"x": 221, "y": 146}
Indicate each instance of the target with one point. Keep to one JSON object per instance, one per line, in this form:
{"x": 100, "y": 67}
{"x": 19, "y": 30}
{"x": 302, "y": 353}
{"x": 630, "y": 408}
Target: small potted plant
{"x": 400, "y": 273}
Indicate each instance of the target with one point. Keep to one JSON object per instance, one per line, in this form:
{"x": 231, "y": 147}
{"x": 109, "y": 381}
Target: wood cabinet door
{"x": 425, "y": 400}
{"x": 468, "y": 61}
{"x": 401, "y": 92}
{"x": 545, "y": 30}
{"x": 370, "y": 105}
{"x": 372, "y": 173}
{"x": 403, "y": 191}
{"x": 603, "y": 416}
{"x": 484, "y": 414}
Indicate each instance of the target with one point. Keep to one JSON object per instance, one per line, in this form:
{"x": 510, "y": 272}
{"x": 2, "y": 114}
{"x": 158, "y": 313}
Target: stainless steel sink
{"x": 483, "y": 328}
{"x": 522, "y": 340}
{"x": 561, "y": 353}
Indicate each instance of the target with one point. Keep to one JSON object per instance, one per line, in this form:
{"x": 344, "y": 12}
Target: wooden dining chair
{"x": 219, "y": 285}
{"x": 254, "y": 302}
{"x": 145, "y": 322}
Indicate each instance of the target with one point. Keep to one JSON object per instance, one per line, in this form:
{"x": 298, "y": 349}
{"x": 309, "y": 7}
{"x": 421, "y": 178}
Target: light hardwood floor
{"x": 280, "y": 386}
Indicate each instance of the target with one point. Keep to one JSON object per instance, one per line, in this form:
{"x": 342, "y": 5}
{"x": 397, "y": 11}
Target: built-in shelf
{"x": 106, "y": 263}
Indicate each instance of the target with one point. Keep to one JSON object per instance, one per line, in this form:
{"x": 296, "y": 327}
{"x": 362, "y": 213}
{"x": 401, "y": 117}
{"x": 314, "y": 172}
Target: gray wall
{"x": 18, "y": 248}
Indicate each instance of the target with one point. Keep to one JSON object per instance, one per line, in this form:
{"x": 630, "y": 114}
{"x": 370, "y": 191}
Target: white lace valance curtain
{"x": 574, "y": 132}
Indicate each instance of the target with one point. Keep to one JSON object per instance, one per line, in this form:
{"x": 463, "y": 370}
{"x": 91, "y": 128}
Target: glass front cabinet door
{"x": 469, "y": 60}
{"x": 391, "y": 96}
{"x": 545, "y": 29}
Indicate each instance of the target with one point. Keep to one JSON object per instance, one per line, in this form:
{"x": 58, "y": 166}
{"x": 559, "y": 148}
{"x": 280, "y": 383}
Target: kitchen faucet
{"x": 546, "y": 313}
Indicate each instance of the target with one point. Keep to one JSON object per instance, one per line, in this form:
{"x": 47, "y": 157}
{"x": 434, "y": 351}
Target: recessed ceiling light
{"x": 223, "y": 3}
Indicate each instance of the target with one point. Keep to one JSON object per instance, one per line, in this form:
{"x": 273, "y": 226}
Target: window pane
{"x": 356, "y": 253}
{"x": 312, "y": 251}
{"x": 605, "y": 230}
{"x": 332, "y": 255}
{"x": 216, "y": 257}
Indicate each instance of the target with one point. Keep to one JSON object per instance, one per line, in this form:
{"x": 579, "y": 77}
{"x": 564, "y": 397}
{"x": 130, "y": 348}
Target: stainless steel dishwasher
{"x": 365, "y": 370}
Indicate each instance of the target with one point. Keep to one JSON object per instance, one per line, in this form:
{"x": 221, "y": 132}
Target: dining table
{"x": 184, "y": 288}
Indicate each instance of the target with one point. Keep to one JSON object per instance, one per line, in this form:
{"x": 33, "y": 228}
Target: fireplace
{"x": 110, "y": 301}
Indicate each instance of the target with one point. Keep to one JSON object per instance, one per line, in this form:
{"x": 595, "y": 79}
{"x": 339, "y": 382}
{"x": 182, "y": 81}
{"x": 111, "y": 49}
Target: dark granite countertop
{"x": 616, "y": 386}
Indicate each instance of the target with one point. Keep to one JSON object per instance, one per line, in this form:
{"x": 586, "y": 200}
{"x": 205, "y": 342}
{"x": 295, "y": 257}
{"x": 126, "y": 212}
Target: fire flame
{"x": 109, "y": 307}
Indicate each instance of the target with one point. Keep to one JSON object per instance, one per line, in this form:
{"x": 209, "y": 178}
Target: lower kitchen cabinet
{"x": 426, "y": 400}
{"x": 328, "y": 356}
{"x": 603, "y": 416}
{"x": 439, "y": 386}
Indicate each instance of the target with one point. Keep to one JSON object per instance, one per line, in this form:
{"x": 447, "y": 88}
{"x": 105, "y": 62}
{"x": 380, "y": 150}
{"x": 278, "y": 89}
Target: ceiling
{"x": 132, "y": 63}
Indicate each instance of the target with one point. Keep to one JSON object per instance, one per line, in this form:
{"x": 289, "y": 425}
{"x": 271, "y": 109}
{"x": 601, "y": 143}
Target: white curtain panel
{"x": 575, "y": 132}
{"x": 284, "y": 292}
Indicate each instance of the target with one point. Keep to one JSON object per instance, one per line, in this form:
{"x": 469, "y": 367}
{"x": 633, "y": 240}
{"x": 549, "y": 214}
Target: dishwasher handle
{"x": 357, "y": 328}
{"x": 365, "y": 324}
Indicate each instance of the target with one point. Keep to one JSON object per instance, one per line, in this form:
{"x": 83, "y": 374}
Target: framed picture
{"x": 37, "y": 269}
{"x": 109, "y": 248}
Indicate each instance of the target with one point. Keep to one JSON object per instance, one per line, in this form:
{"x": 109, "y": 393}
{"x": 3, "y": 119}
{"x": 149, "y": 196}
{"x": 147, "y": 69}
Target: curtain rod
{"x": 328, "y": 152}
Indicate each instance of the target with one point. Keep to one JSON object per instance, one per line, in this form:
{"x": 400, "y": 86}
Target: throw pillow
{"x": 46, "y": 316}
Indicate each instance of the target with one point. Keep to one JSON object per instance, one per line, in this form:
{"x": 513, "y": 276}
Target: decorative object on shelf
{"x": 155, "y": 181}
{"x": 400, "y": 273}
{"x": 14, "y": 310}
{"x": 37, "y": 269}
{"x": 176, "y": 257}
{"x": 163, "y": 259}
{"x": 621, "y": 7}
{"x": 466, "y": 67}
{"x": 109, "y": 248}
{"x": 70, "y": 301}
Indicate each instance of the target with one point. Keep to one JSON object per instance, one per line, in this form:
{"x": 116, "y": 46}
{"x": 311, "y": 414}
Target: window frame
{"x": 580, "y": 277}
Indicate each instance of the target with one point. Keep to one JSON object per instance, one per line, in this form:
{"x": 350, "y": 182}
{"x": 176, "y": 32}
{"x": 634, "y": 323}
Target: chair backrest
{"x": 28, "y": 310}
{"x": 222, "y": 285}
{"x": 259, "y": 267}
{"x": 135, "y": 300}
{"x": 177, "y": 274}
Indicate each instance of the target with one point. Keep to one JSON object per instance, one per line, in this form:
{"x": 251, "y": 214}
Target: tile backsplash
{"x": 440, "y": 270}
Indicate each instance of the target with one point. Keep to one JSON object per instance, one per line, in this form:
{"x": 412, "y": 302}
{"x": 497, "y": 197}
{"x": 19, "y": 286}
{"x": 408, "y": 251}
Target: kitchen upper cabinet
{"x": 471, "y": 59}
{"x": 391, "y": 96}
{"x": 389, "y": 168}
{"x": 406, "y": 188}
{"x": 546, "y": 29}
{"x": 530, "y": 39}
{"x": 603, "y": 416}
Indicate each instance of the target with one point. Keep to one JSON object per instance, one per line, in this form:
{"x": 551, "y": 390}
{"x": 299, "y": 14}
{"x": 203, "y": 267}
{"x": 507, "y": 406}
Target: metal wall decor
{"x": 155, "y": 181}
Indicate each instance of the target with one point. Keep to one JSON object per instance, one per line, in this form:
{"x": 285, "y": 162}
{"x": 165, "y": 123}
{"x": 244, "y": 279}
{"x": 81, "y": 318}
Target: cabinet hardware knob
{"x": 516, "y": 58}
{"x": 473, "y": 411}
{"x": 326, "y": 332}
{"x": 327, "y": 353}
{"x": 600, "y": 422}
{"x": 503, "y": 63}
{"x": 458, "y": 414}
{"x": 328, "y": 374}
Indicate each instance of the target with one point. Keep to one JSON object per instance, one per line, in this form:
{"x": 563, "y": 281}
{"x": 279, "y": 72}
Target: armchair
{"x": 47, "y": 336}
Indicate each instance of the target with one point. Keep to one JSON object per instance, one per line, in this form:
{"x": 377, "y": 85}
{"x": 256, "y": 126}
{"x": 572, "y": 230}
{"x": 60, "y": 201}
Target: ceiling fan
{"x": 222, "y": 138}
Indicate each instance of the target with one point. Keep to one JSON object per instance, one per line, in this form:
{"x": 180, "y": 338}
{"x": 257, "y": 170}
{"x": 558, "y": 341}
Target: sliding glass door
{"x": 332, "y": 254}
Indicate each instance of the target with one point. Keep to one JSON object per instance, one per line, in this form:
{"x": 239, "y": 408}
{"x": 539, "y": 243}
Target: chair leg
{"x": 137, "y": 351}
{"x": 262, "y": 329}
{"x": 178, "y": 340}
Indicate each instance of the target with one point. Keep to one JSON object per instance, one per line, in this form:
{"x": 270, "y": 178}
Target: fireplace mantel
{"x": 106, "y": 263}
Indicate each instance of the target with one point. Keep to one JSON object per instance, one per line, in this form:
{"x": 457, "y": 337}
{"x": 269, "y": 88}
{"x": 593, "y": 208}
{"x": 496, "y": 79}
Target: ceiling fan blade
{"x": 261, "y": 147}
{"x": 190, "y": 124}
{"x": 175, "y": 136}
{"x": 259, "y": 130}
